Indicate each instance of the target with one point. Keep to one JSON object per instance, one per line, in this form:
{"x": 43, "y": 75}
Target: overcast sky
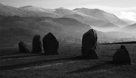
{"x": 122, "y": 8}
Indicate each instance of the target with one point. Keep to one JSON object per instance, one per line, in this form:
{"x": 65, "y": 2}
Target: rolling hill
{"x": 65, "y": 29}
{"x": 26, "y": 11}
{"x": 10, "y": 11}
{"x": 86, "y": 19}
{"x": 100, "y": 14}
{"x": 130, "y": 28}
{"x": 37, "y": 9}
{"x": 67, "y": 25}
{"x": 93, "y": 17}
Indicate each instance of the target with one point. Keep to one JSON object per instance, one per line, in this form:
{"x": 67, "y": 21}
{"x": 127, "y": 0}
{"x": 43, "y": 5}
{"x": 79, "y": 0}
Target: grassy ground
{"x": 63, "y": 66}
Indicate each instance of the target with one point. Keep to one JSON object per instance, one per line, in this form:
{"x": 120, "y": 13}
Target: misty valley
{"x": 62, "y": 43}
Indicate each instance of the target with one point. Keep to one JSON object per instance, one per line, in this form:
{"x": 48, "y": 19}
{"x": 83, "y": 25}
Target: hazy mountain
{"x": 26, "y": 11}
{"x": 107, "y": 27}
{"x": 2, "y": 17}
{"x": 133, "y": 26}
{"x": 93, "y": 17}
{"x": 130, "y": 28}
{"x": 10, "y": 11}
{"x": 100, "y": 14}
{"x": 37, "y": 12}
{"x": 119, "y": 34}
{"x": 67, "y": 30}
{"x": 15, "y": 28}
{"x": 37, "y": 9}
{"x": 86, "y": 19}
{"x": 63, "y": 11}
{"x": 129, "y": 21}
{"x": 80, "y": 16}
{"x": 67, "y": 25}
{"x": 12, "y": 36}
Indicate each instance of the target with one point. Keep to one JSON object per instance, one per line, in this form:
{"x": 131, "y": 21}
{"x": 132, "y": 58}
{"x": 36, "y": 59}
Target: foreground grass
{"x": 62, "y": 66}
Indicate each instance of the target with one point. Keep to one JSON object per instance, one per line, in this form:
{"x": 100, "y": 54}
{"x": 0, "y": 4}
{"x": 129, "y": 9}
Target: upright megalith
{"x": 23, "y": 48}
{"x": 89, "y": 42}
{"x": 50, "y": 44}
{"x": 121, "y": 56}
{"x": 36, "y": 44}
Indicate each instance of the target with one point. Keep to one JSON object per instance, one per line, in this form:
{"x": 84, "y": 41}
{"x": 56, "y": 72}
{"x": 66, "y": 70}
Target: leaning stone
{"x": 23, "y": 48}
{"x": 89, "y": 42}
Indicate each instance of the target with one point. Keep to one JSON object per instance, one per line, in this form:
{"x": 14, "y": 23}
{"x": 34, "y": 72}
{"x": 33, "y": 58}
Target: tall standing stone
{"x": 50, "y": 44}
{"x": 36, "y": 44}
{"x": 89, "y": 42}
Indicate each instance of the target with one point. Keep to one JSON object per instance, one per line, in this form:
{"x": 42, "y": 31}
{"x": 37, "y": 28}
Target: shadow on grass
{"x": 18, "y": 55}
{"x": 99, "y": 67}
{"x": 22, "y": 65}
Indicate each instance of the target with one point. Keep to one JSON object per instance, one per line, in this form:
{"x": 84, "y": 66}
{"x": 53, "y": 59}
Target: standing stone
{"x": 121, "y": 56}
{"x": 23, "y": 48}
{"x": 50, "y": 44}
{"x": 89, "y": 42}
{"x": 36, "y": 44}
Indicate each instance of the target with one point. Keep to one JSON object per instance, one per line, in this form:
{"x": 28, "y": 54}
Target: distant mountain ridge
{"x": 100, "y": 14}
{"x": 12, "y": 11}
{"x": 32, "y": 8}
{"x": 90, "y": 15}
{"x": 67, "y": 25}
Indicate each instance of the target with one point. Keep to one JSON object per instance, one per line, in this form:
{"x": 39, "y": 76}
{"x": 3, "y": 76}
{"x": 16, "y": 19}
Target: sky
{"x": 122, "y": 8}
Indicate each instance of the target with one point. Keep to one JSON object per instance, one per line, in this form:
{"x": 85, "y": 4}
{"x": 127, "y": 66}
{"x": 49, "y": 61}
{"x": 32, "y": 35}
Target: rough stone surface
{"x": 121, "y": 56}
{"x": 89, "y": 42}
{"x": 23, "y": 48}
{"x": 36, "y": 44}
{"x": 50, "y": 44}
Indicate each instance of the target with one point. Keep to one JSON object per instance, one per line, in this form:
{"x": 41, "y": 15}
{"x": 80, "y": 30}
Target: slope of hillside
{"x": 66, "y": 25}
{"x": 38, "y": 9}
{"x": 65, "y": 29}
{"x": 63, "y": 11}
{"x": 94, "y": 17}
{"x": 23, "y": 12}
{"x": 133, "y": 26}
{"x": 130, "y": 28}
{"x": 38, "y": 12}
{"x": 15, "y": 28}
{"x": 108, "y": 17}
{"x": 86, "y": 19}
{"x": 10, "y": 11}
{"x": 129, "y": 21}
{"x": 12, "y": 36}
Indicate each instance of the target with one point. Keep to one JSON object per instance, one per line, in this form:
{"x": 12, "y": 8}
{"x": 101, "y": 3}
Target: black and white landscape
{"x": 67, "y": 26}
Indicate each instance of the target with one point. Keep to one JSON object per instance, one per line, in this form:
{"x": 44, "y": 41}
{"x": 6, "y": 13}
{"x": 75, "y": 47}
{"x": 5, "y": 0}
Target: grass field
{"x": 15, "y": 65}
